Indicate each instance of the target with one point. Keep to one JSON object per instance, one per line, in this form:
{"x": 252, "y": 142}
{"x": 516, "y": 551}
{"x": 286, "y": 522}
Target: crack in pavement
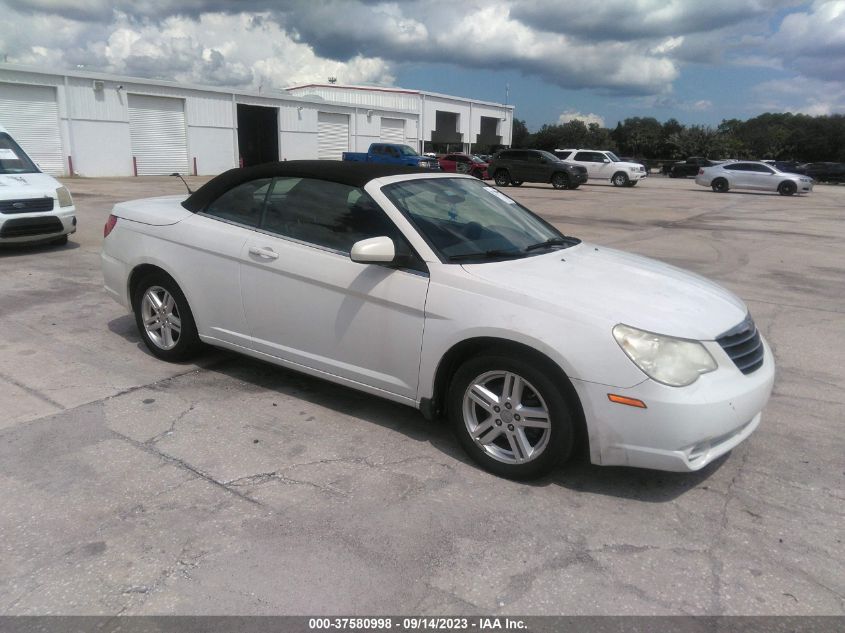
{"x": 172, "y": 429}
{"x": 31, "y": 391}
{"x": 151, "y": 449}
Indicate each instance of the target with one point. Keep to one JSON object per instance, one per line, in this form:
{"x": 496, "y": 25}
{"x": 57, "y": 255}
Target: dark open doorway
{"x": 258, "y": 134}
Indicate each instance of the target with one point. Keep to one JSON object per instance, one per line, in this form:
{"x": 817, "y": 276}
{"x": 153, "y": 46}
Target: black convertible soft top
{"x": 348, "y": 173}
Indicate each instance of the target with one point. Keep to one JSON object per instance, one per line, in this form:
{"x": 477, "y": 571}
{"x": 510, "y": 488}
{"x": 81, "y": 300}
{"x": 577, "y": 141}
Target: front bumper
{"x": 684, "y": 428}
{"x": 30, "y": 228}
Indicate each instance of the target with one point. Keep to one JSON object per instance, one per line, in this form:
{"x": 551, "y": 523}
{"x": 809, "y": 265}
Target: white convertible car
{"x": 440, "y": 292}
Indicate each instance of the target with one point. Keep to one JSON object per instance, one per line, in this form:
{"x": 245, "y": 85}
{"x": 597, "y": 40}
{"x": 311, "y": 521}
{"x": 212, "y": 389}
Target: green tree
{"x": 520, "y": 137}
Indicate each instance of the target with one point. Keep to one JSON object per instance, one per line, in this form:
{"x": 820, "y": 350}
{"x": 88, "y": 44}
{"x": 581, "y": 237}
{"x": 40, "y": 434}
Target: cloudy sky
{"x": 698, "y": 61}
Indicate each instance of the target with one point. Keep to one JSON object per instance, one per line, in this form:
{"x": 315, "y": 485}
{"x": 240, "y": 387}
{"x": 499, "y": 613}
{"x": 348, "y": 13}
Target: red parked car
{"x": 464, "y": 164}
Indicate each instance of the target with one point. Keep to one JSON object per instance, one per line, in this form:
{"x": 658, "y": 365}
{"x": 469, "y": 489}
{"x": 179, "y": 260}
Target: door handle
{"x": 266, "y": 253}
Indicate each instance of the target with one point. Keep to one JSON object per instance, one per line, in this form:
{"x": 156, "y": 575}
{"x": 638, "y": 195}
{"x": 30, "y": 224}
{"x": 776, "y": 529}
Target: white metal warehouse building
{"x": 95, "y": 125}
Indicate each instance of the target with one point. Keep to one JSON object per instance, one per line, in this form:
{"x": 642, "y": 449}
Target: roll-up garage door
{"x": 332, "y": 135}
{"x": 393, "y": 130}
{"x": 31, "y": 116}
{"x": 157, "y": 130}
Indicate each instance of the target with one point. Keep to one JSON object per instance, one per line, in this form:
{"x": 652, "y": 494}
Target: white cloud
{"x": 620, "y": 47}
{"x": 571, "y": 115}
{"x": 813, "y": 42}
{"x": 238, "y": 50}
{"x": 803, "y": 95}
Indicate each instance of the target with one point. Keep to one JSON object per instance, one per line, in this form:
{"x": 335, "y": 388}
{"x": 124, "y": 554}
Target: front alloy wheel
{"x": 619, "y": 180}
{"x": 502, "y": 178}
{"x": 787, "y": 188}
{"x": 560, "y": 181}
{"x": 510, "y": 416}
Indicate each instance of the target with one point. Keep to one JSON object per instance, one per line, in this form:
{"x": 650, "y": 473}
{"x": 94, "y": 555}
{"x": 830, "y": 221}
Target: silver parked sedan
{"x": 752, "y": 175}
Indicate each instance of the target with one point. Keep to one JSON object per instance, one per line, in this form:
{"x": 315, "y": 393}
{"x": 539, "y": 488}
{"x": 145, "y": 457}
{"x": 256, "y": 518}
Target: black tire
{"x": 554, "y": 444}
{"x": 187, "y": 342}
{"x": 560, "y": 181}
{"x": 719, "y": 185}
{"x": 516, "y": 183}
{"x": 620, "y": 179}
{"x": 787, "y": 188}
{"x": 502, "y": 178}
{"x": 60, "y": 241}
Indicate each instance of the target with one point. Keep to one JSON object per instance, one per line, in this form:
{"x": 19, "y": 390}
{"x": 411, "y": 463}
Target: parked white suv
{"x": 603, "y": 165}
{"x": 34, "y": 207}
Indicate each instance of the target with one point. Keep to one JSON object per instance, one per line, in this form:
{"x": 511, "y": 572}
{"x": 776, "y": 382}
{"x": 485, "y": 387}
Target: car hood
{"x": 27, "y": 186}
{"x": 595, "y": 284}
{"x": 627, "y": 165}
{"x": 159, "y": 211}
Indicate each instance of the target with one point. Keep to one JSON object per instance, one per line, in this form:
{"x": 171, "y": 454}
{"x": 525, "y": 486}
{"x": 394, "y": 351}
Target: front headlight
{"x": 672, "y": 361}
{"x": 63, "y": 196}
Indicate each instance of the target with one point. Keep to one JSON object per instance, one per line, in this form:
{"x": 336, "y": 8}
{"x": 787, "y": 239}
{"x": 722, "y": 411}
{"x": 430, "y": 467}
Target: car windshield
{"x": 548, "y": 155}
{"x": 13, "y": 160}
{"x": 466, "y": 220}
{"x": 613, "y": 157}
{"x": 407, "y": 150}
{"x": 476, "y": 159}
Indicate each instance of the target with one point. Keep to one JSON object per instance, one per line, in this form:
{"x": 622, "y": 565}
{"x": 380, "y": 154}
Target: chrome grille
{"x": 744, "y": 346}
{"x": 26, "y": 205}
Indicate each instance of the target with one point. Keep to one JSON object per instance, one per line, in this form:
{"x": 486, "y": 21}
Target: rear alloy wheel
{"x": 720, "y": 185}
{"x": 787, "y": 188}
{"x": 560, "y": 181}
{"x": 510, "y": 416}
{"x": 502, "y": 178}
{"x": 164, "y": 318}
{"x": 619, "y": 179}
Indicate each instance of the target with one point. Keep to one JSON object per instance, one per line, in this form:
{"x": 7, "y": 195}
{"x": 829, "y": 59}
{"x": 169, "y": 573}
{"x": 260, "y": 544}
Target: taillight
{"x": 700, "y": 172}
{"x": 110, "y": 224}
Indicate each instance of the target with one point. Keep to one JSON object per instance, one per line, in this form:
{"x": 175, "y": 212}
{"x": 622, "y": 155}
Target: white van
{"x": 34, "y": 207}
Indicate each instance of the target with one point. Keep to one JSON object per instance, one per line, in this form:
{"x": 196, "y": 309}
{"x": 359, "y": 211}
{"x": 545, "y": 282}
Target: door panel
{"x": 320, "y": 309}
{"x": 208, "y": 251}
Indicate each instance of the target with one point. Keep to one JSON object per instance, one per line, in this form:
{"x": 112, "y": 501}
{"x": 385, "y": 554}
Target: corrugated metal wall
{"x": 158, "y": 133}
{"x": 31, "y": 115}
{"x": 90, "y": 120}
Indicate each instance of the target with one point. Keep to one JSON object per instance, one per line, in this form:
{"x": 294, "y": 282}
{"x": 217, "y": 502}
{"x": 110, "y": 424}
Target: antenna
{"x": 332, "y": 80}
{"x": 179, "y": 176}
{"x": 507, "y": 93}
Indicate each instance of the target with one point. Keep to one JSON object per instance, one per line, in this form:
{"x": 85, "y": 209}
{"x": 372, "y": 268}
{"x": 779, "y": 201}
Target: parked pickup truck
{"x": 393, "y": 153}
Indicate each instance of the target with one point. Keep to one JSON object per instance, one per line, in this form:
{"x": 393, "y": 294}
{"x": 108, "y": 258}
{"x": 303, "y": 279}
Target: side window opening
{"x": 242, "y": 204}
{"x": 330, "y": 215}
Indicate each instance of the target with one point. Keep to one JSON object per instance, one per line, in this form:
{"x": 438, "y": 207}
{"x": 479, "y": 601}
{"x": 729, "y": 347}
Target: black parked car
{"x": 688, "y": 167}
{"x": 824, "y": 172}
{"x": 786, "y": 166}
{"x": 515, "y": 166}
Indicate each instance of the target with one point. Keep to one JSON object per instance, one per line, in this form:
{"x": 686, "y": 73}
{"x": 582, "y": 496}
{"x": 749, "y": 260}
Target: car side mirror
{"x": 375, "y": 250}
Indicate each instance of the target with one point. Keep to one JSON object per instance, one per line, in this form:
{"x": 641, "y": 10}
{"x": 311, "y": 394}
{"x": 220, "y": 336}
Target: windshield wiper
{"x": 555, "y": 241}
{"x": 492, "y": 254}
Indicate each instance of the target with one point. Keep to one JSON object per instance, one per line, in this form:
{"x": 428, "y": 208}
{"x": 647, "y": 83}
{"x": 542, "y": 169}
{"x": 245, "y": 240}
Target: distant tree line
{"x": 786, "y": 136}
